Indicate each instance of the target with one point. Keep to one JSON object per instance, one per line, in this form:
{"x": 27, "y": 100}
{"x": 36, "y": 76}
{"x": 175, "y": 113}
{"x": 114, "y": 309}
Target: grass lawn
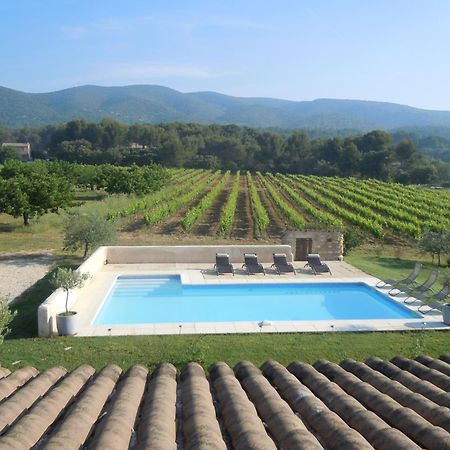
{"x": 207, "y": 349}
{"x": 395, "y": 263}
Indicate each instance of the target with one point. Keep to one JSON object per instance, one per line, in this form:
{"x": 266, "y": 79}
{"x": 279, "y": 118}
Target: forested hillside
{"x": 156, "y": 104}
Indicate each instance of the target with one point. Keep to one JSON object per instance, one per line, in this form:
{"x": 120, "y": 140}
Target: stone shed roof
{"x": 397, "y": 404}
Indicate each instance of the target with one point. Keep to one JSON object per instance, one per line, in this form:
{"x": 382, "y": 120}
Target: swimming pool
{"x": 164, "y": 299}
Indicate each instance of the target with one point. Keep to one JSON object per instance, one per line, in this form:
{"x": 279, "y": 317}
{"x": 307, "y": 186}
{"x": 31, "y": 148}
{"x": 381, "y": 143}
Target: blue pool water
{"x": 163, "y": 299}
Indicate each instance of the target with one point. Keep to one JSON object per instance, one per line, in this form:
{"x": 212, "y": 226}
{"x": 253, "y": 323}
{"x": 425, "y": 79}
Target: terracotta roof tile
{"x": 403, "y": 404}
{"x": 17, "y": 379}
{"x": 424, "y": 372}
{"x": 437, "y": 364}
{"x": 372, "y": 427}
{"x": 75, "y": 426}
{"x": 26, "y": 432}
{"x": 328, "y": 427}
{"x": 4, "y": 372}
{"x": 410, "y": 423}
{"x": 239, "y": 414}
{"x": 157, "y": 425}
{"x": 414, "y": 383}
{"x": 116, "y": 427}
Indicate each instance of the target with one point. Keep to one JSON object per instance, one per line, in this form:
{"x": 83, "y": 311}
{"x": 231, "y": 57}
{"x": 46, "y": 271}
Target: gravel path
{"x": 19, "y": 272}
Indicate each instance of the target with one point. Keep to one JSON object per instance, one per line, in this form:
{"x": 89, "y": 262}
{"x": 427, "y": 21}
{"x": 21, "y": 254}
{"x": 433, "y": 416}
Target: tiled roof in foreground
{"x": 401, "y": 404}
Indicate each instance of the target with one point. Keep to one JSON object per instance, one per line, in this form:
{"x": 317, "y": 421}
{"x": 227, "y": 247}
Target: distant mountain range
{"x": 156, "y": 104}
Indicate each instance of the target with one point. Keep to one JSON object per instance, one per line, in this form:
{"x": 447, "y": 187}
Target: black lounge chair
{"x": 223, "y": 264}
{"x": 409, "y": 280}
{"x": 421, "y": 289}
{"x": 252, "y": 265}
{"x": 281, "y": 265}
{"x": 438, "y": 306}
{"x": 443, "y": 294}
{"x": 316, "y": 264}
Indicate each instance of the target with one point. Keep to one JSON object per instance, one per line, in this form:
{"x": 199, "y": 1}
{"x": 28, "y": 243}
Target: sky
{"x": 396, "y": 51}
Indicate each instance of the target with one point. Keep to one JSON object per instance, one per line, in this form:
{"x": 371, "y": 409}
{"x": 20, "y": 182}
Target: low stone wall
{"x": 328, "y": 244}
{"x": 192, "y": 253}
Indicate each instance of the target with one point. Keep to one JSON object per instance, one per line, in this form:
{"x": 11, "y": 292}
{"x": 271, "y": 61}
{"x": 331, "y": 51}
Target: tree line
{"x": 30, "y": 190}
{"x": 231, "y": 147}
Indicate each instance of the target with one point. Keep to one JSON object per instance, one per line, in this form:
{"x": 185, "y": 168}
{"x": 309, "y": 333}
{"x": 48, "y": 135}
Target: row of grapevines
{"x": 227, "y": 216}
{"x": 198, "y": 210}
{"x": 427, "y": 198}
{"x": 155, "y": 198}
{"x": 286, "y": 209}
{"x": 322, "y": 217}
{"x": 427, "y": 202}
{"x": 387, "y": 197}
{"x": 372, "y": 226}
{"x": 395, "y": 208}
{"x": 419, "y": 205}
{"x": 395, "y": 219}
{"x": 260, "y": 216}
{"x": 340, "y": 199}
{"x": 164, "y": 210}
{"x": 362, "y": 206}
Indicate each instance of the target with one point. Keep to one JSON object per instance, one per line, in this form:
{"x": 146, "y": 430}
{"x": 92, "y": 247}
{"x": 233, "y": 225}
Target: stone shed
{"x": 329, "y": 244}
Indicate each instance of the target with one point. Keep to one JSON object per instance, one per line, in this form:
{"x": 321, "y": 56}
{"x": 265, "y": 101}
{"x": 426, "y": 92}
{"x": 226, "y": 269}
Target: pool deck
{"x": 202, "y": 273}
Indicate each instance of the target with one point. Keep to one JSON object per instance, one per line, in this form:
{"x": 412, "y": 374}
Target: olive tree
{"x": 87, "y": 231}
{"x": 68, "y": 279}
{"x": 436, "y": 243}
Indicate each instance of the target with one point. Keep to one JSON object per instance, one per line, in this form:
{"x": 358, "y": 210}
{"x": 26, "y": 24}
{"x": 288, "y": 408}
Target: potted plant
{"x": 446, "y": 314}
{"x": 67, "y": 279}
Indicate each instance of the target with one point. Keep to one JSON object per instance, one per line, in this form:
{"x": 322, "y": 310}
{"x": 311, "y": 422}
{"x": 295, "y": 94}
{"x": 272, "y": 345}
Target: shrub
{"x": 6, "y": 317}
{"x": 352, "y": 239}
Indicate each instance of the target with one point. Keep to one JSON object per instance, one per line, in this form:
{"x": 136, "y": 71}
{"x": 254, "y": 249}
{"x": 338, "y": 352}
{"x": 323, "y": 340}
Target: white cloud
{"x": 75, "y": 32}
{"x": 141, "y": 72}
{"x": 231, "y": 22}
{"x": 145, "y": 71}
{"x": 186, "y": 22}
{"x": 102, "y": 26}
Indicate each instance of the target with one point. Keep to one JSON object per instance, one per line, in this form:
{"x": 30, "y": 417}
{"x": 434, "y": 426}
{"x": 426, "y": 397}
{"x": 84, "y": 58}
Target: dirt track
{"x": 20, "y": 272}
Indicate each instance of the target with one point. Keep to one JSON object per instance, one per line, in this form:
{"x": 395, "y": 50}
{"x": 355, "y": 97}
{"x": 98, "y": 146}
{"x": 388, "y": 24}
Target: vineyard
{"x": 264, "y": 206}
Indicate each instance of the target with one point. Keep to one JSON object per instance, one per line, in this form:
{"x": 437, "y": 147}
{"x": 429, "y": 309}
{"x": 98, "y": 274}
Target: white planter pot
{"x": 446, "y": 314}
{"x": 67, "y": 324}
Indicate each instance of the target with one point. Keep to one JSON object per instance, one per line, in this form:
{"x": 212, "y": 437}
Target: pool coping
{"x": 198, "y": 276}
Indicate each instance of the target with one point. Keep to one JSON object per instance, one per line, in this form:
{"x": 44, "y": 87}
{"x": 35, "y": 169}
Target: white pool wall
{"x": 192, "y": 253}
{"x": 55, "y": 303}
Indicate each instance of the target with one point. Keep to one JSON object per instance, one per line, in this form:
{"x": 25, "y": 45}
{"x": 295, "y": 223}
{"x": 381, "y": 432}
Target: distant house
{"x": 137, "y": 146}
{"x": 23, "y": 149}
